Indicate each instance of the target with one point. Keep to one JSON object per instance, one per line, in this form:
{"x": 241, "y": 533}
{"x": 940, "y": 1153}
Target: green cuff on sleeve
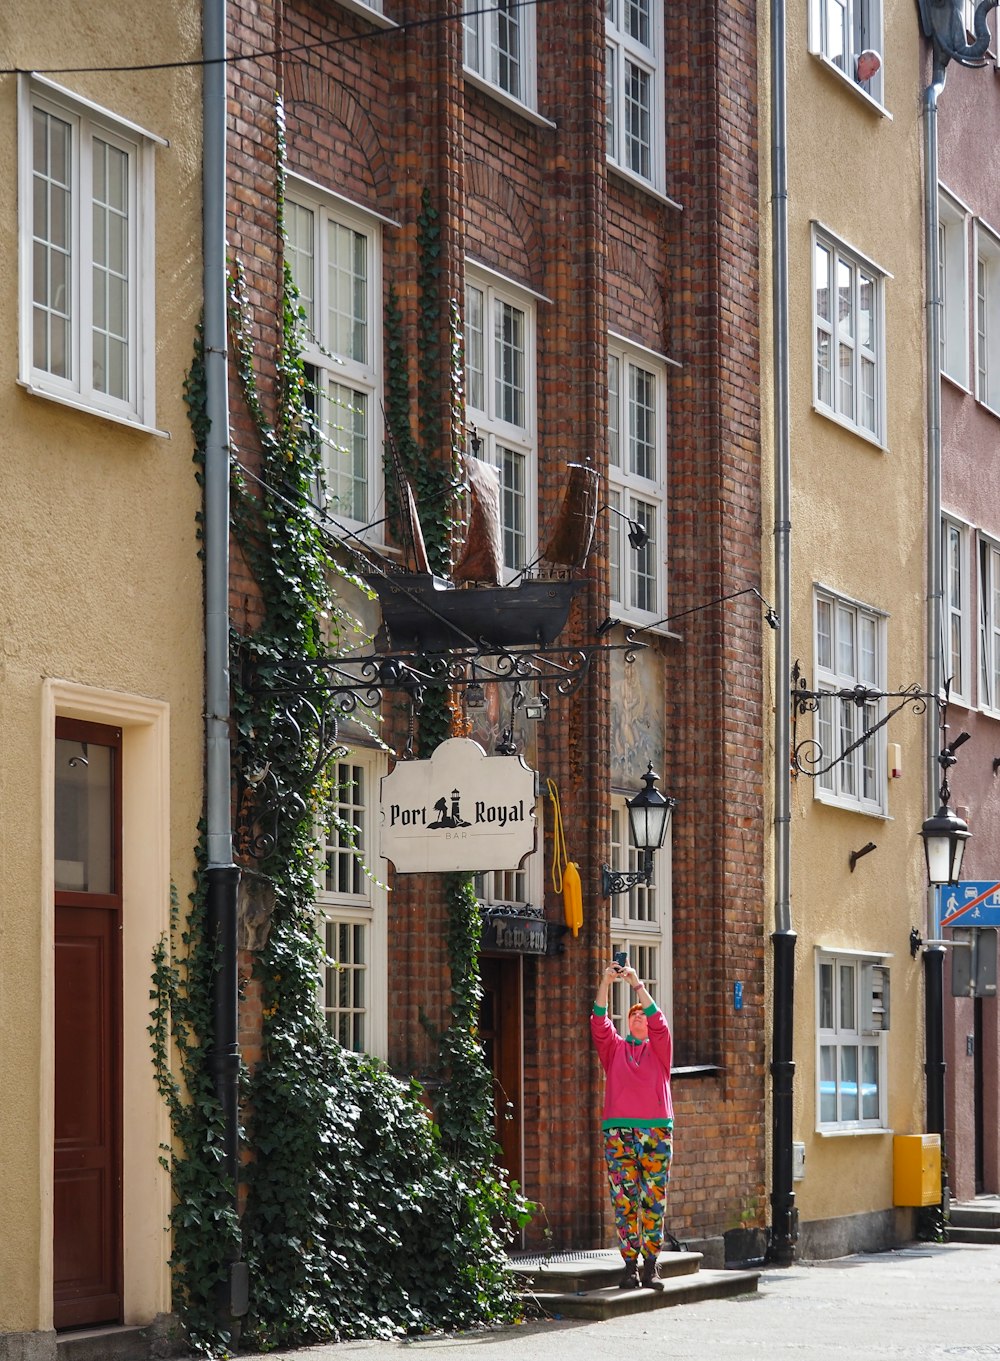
{"x": 600, "y": 1011}
{"x": 651, "y": 1010}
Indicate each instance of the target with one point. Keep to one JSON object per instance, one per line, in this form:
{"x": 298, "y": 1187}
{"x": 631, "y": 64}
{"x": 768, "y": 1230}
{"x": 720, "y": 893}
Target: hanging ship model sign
{"x": 423, "y": 612}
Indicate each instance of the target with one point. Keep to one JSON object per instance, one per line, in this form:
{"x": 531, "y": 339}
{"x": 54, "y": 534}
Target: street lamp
{"x": 648, "y": 818}
{"x": 945, "y": 834}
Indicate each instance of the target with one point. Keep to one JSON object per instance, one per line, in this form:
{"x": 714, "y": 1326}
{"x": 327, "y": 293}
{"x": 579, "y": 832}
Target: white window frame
{"x": 953, "y": 288}
{"x": 956, "y": 609}
{"x": 329, "y": 365}
{"x": 839, "y": 31}
{"x": 484, "y": 29}
{"x": 355, "y": 898}
{"x": 867, "y": 362}
{"x": 987, "y": 329}
{"x": 625, "y": 51}
{"x": 519, "y": 888}
{"x": 849, "y": 640}
{"x": 636, "y": 574}
{"x": 840, "y": 1034}
{"x": 89, "y": 126}
{"x": 505, "y": 444}
{"x": 641, "y": 919}
{"x": 989, "y": 624}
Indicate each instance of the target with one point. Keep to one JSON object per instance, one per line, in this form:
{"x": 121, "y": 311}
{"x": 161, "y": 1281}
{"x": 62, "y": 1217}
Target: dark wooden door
{"x": 87, "y": 1213}
{"x": 500, "y": 1036}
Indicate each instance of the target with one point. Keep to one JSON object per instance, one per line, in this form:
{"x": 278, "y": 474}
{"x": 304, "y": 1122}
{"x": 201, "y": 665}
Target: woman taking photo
{"x": 638, "y": 1123}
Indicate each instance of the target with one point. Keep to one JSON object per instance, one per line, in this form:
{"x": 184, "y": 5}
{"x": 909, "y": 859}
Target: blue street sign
{"x": 971, "y": 902}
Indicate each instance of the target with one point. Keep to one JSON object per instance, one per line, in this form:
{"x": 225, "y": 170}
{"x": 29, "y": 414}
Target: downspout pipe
{"x": 933, "y": 959}
{"x": 221, "y": 873}
{"x": 784, "y": 1229}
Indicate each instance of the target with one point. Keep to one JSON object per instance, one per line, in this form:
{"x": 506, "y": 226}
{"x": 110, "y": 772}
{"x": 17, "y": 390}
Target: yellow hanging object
{"x": 565, "y": 873}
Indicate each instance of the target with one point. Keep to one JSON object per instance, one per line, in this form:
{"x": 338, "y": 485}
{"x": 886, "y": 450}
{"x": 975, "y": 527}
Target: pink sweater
{"x": 637, "y": 1094}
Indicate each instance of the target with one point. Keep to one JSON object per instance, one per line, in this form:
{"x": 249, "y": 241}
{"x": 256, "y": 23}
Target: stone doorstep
{"x": 114, "y": 1343}
{"x": 975, "y": 1216}
{"x": 581, "y": 1273}
{"x": 966, "y": 1233}
{"x": 608, "y": 1303}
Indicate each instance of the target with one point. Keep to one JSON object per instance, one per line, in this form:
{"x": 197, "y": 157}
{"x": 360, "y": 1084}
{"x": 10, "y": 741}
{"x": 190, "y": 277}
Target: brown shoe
{"x": 649, "y": 1278}
{"x": 630, "y": 1276}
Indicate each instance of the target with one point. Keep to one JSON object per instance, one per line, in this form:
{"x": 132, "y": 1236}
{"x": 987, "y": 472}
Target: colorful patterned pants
{"x": 638, "y": 1172}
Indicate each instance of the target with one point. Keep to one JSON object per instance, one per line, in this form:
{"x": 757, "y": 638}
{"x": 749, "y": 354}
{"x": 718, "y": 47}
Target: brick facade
{"x": 377, "y": 116}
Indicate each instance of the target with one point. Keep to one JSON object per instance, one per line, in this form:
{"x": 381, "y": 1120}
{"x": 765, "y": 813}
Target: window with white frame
{"x": 352, "y": 908}
{"x": 521, "y": 887}
{"x": 500, "y": 46}
{"x": 500, "y": 402}
{"x": 334, "y": 253}
{"x": 848, "y": 343}
{"x": 87, "y": 207}
{"x": 637, "y": 476}
{"x": 955, "y": 613}
{"x": 850, "y": 652}
{"x": 634, "y": 99}
{"x": 852, "y": 1006}
{"x": 989, "y": 625}
{"x": 987, "y": 318}
{"x": 640, "y": 920}
{"x": 843, "y": 30}
{"x": 953, "y": 289}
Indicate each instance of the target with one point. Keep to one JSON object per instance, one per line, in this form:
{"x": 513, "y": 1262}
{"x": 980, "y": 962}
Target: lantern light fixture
{"x": 649, "y": 814}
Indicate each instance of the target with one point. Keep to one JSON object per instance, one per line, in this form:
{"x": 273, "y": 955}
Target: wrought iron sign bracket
{"x": 807, "y": 756}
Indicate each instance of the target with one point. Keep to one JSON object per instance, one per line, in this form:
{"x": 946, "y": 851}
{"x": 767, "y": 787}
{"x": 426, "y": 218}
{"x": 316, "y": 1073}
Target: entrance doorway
{"x": 87, "y": 1194}
{"x": 500, "y": 1036}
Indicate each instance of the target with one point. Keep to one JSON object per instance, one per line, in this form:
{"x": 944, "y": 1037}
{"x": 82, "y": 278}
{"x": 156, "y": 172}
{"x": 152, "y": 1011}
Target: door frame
{"x": 146, "y": 884}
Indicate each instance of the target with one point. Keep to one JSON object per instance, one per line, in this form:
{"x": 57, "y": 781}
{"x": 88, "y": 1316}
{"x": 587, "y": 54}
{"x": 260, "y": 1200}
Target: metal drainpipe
{"x": 784, "y": 1230}
{"x": 221, "y": 873}
{"x": 934, "y": 1060}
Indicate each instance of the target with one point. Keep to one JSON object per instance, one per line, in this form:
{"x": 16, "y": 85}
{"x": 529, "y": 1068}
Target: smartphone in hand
{"x": 621, "y": 959}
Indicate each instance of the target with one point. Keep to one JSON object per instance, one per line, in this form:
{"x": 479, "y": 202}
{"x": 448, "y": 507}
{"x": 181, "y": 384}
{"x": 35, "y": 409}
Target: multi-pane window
{"x": 849, "y": 348}
{"x": 637, "y": 482}
{"x": 989, "y": 624}
{"x": 953, "y": 289}
{"x": 500, "y": 401}
{"x": 500, "y": 46}
{"x": 850, "y": 646}
{"x": 352, "y": 909}
{"x": 847, "y": 33}
{"x": 640, "y": 919}
{"x": 852, "y": 1018}
{"x": 86, "y": 193}
{"x": 955, "y": 611}
{"x": 987, "y": 318}
{"x": 333, "y": 255}
{"x": 634, "y": 87}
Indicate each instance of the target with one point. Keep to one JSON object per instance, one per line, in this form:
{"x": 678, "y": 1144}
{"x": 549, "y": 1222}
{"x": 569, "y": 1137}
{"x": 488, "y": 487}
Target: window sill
{"x": 637, "y": 182}
{"x": 368, "y": 12}
{"x": 990, "y": 410}
{"x": 696, "y": 1070}
{"x": 830, "y": 415}
{"x": 852, "y": 85}
{"x": 848, "y": 805}
{"x": 508, "y": 101}
{"x": 87, "y": 409}
{"x": 623, "y": 619}
{"x": 958, "y": 383}
{"x": 826, "y": 1132}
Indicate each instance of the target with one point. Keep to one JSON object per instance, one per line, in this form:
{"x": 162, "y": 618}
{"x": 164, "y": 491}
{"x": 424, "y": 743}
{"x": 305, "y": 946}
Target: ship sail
{"x": 482, "y": 554}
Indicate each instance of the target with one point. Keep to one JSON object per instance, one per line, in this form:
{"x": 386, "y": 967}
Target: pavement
{"x": 917, "y": 1303}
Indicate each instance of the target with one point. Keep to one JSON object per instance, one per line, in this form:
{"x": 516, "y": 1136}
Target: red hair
{"x": 636, "y": 1006}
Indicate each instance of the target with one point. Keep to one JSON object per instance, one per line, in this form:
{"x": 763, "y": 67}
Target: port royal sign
{"x": 460, "y": 810}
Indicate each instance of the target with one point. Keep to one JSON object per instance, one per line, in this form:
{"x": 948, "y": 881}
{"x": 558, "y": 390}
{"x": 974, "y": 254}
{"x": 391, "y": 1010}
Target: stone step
{"x": 974, "y": 1217}
{"x": 965, "y": 1234}
{"x": 576, "y": 1274}
{"x": 103, "y": 1344}
{"x": 609, "y": 1302}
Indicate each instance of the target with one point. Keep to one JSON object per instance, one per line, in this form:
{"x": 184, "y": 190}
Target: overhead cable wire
{"x": 266, "y": 54}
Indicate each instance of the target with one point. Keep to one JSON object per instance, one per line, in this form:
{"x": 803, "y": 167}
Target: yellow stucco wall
{"x": 858, "y": 528}
{"x": 100, "y": 588}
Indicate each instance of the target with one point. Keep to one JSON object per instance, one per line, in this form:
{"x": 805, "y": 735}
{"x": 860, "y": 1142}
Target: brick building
{"x": 577, "y": 185}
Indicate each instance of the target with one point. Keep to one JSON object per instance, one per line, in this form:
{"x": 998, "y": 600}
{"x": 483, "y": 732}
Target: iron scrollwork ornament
{"x": 808, "y": 756}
